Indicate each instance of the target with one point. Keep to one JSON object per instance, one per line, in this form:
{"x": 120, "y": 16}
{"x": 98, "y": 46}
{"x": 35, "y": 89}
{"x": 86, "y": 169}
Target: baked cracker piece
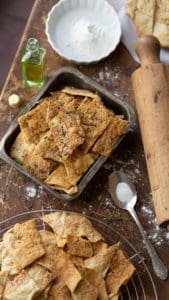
{"x": 161, "y": 31}
{"x": 78, "y": 92}
{"x": 59, "y": 263}
{"x": 162, "y": 12}
{"x": 78, "y": 246}
{"x": 150, "y": 17}
{"x": 106, "y": 143}
{"x": 86, "y": 291}
{"x": 40, "y": 275}
{"x": 67, "y": 131}
{"x": 96, "y": 279}
{"x": 8, "y": 263}
{"x": 40, "y": 167}
{"x": 3, "y": 281}
{"x": 121, "y": 271}
{"x": 65, "y": 224}
{"x": 95, "y": 117}
{"x": 24, "y": 238}
{"x": 22, "y": 287}
{"x": 59, "y": 291}
{"x": 144, "y": 24}
{"x": 58, "y": 180}
{"x": 47, "y": 148}
{"x": 77, "y": 164}
{"x": 101, "y": 262}
{"x": 21, "y": 151}
{"x": 33, "y": 124}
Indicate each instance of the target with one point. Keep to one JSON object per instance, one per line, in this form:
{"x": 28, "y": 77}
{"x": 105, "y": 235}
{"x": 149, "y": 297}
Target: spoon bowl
{"x": 122, "y": 190}
{"x": 124, "y": 194}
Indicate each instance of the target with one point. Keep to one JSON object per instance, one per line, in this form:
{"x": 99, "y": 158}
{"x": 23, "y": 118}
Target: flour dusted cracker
{"x": 108, "y": 140}
{"x": 68, "y": 132}
{"x": 24, "y": 238}
{"x": 33, "y": 124}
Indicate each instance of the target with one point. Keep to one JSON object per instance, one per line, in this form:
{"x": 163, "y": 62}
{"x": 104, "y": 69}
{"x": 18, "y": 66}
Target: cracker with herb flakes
{"x": 24, "y": 238}
{"x": 68, "y": 132}
{"x": 33, "y": 124}
{"x": 111, "y": 135}
{"x": 94, "y": 118}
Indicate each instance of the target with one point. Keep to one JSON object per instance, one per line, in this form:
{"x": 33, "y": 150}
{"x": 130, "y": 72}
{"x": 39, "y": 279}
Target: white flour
{"x": 124, "y": 192}
{"x": 89, "y": 40}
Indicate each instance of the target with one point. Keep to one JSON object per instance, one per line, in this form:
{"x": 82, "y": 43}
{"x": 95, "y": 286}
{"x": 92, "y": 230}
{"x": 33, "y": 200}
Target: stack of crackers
{"x": 151, "y": 17}
{"x": 64, "y": 134}
{"x": 72, "y": 261}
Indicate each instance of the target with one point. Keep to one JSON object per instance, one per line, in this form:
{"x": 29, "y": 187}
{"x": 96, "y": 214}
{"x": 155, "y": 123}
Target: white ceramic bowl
{"x": 83, "y": 31}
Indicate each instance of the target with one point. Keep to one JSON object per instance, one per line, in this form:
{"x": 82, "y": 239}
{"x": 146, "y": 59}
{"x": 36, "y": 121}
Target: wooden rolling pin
{"x": 151, "y": 89}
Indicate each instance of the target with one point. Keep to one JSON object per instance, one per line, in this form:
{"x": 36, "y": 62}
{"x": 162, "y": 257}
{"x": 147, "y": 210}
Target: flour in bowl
{"x": 89, "y": 39}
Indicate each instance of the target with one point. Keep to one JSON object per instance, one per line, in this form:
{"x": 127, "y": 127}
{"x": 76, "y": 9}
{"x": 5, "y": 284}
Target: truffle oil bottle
{"x": 33, "y": 61}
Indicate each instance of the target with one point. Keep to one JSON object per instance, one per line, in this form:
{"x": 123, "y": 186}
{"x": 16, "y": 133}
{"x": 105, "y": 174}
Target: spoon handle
{"x": 159, "y": 268}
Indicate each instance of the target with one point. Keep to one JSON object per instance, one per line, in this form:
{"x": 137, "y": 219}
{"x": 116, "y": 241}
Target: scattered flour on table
{"x": 30, "y": 192}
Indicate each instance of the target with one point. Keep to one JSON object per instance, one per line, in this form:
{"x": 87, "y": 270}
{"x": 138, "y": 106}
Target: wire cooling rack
{"x": 140, "y": 287}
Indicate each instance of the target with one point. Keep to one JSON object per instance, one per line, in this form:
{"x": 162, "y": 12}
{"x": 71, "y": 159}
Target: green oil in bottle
{"x": 33, "y": 61}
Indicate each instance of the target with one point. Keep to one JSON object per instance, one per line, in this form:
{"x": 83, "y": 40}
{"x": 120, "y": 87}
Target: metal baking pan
{"x": 66, "y": 76}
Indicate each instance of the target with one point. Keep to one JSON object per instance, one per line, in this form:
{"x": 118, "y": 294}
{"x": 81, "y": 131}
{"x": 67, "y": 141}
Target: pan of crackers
{"x": 65, "y": 257}
{"x": 66, "y": 133}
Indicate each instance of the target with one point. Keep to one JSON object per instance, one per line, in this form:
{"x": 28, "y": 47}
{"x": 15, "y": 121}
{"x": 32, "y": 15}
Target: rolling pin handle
{"x": 148, "y": 50}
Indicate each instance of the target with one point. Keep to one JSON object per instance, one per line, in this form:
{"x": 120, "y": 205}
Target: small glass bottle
{"x": 33, "y": 61}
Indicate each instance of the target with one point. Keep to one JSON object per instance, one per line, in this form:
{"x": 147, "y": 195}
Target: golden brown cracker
{"x": 108, "y": 140}
{"x": 79, "y": 246}
{"x": 122, "y": 270}
{"x": 24, "y": 238}
{"x": 77, "y": 164}
{"x": 33, "y": 124}
{"x": 68, "y": 132}
{"x": 65, "y": 224}
{"x": 21, "y": 151}
{"x": 58, "y": 180}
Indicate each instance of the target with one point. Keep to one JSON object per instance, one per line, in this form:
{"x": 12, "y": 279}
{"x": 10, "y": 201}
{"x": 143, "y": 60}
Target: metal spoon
{"x": 124, "y": 195}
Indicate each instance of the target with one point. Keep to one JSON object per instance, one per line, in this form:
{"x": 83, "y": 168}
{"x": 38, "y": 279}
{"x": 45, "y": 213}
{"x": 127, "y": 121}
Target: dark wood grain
{"x": 20, "y": 194}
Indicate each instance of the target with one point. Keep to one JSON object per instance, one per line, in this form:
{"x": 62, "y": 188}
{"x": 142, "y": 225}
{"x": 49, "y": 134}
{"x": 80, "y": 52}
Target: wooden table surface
{"x": 19, "y": 194}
